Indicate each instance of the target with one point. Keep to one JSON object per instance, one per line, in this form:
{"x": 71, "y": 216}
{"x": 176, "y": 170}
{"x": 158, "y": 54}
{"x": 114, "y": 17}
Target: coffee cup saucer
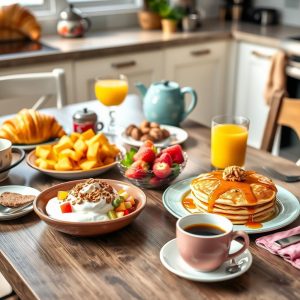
{"x": 171, "y": 259}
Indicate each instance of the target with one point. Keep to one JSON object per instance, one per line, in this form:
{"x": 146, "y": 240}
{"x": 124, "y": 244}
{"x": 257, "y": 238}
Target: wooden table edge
{"x": 15, "y": 279}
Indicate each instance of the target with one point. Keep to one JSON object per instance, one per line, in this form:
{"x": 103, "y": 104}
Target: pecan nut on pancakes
{"x": 244, "y": 197}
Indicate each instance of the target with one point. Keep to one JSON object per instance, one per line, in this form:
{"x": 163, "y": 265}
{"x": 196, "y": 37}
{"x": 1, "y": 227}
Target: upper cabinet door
{"x": 253, "y": 69}
{"x": 145, "y": 67}
{"x": 201, "y": 67}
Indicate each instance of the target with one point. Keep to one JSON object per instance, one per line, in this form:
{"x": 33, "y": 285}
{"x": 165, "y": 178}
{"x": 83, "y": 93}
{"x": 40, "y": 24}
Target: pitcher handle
{"x": 189, "y": 90}
{"x": 87, "y": 23}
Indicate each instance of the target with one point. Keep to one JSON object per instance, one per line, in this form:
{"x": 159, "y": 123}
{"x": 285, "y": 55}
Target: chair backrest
{"x": 283, "y": 111}
{"x": 45, "y": 85}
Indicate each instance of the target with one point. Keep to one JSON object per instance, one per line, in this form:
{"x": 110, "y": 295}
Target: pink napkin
{"x": 290, "y": 253}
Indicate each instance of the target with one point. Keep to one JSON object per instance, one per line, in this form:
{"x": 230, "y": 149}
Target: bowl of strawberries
{"x": 149, "y": 167}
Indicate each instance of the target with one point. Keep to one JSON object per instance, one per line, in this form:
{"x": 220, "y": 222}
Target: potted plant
{"x": 170, "y": 16}
{"x": 149, "y": 17}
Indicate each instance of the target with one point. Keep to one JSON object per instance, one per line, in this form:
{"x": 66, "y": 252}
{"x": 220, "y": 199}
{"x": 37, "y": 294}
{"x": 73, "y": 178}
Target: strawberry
{"x": 137, "y": 170}
{"x": 145, "y": 154}
{"x": 176, "y": 153}
{"x": 165, "y": 157}
{"x": 161, "y": 169}
{"x": 66, "y": 207}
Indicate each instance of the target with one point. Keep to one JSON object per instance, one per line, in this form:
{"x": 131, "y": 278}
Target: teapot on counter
{"x": 163, "y": 102}
{"x": 71, "y": 24}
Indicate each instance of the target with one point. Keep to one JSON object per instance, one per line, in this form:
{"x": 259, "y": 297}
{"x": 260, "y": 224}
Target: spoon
{"x": 234, "y": 267}
{"x": 12, "y": 210}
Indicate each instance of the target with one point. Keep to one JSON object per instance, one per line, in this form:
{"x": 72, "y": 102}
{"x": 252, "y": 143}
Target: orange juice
{"x": 111, "y": 92}
{"x": 228, "y": 145}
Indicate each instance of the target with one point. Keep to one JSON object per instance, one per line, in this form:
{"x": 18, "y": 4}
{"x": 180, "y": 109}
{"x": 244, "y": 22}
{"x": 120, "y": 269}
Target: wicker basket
{"x": 149, "y": 20}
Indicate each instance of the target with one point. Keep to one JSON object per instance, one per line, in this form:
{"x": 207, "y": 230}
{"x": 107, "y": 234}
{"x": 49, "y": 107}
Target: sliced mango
{"x": 80, "y": 146}
{"x": 62, "y": 195}
{"x": 64, "y": 164}
{"x": 74, "y": 136}
{"x": 88, "y": 164}
{"x": 92, "y": 152}
{"x": 87, "y": 134}
{"x": 43, "y": 151}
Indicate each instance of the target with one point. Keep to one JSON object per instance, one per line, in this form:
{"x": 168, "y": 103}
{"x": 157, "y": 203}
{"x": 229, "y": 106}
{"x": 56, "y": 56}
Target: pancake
{"x": 241, "y": 196}
{"x": 239, "y": 210}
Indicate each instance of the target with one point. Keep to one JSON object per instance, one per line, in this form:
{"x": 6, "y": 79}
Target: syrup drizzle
{"x": 244, "y": 186}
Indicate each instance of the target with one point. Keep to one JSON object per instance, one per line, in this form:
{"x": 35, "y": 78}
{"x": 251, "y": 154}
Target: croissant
{"x": 31, "y": 127}
{"x": 18, "y": 19}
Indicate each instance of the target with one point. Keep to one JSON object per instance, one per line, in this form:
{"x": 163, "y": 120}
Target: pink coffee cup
{"x": 207, "y": 252}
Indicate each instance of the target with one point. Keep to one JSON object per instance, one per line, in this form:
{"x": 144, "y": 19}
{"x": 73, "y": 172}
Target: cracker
{"x": 14, "y": 199}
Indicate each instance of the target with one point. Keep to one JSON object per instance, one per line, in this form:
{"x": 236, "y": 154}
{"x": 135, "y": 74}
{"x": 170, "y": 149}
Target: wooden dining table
{"x": 42, "y": 263}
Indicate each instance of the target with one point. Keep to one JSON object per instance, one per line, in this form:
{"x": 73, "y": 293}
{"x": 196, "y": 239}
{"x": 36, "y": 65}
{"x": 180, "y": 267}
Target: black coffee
{"x": 204, "y": 229}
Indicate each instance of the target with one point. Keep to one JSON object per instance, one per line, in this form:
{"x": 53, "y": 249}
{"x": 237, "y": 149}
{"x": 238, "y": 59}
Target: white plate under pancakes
{"x": 287, "y": 205}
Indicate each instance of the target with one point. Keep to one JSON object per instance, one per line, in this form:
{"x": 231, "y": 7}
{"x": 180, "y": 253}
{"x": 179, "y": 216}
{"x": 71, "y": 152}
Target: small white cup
{"x": 6, "y": 150}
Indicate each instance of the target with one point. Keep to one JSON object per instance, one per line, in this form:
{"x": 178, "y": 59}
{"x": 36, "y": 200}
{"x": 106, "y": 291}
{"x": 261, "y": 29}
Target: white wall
{"x": 289, "y": 9}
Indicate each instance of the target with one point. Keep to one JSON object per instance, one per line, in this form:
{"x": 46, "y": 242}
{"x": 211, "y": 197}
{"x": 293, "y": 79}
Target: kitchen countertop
{"x": 135, "y": 40}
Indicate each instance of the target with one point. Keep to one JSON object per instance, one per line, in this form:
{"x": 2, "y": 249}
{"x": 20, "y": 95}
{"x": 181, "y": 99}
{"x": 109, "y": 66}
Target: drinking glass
{"x": 111, "y": 91}
{"x": 229, "y": 136}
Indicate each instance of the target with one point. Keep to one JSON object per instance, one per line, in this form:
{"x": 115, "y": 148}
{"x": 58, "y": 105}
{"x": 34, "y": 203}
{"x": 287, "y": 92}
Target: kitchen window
{"x": 93, "y": 7}
{"x": 42, "y": 8}
{"x": 88, "y": 7}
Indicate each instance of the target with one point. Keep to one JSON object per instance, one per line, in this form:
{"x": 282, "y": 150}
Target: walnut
{"x": 154, "y": 125}
{"x": 145, "y": 124}
{"x": 166, "y": 133}
{"x": 156, "y": 133}
{"x": 136, "y": 134}
{"x": 234, "y": 173}
{"x": 146, "y": 137}
{"x": 145, "y": 130}
{"x": 129, "y": 129}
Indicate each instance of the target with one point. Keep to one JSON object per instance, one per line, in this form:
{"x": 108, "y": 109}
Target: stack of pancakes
{"x": 249, "y": 200}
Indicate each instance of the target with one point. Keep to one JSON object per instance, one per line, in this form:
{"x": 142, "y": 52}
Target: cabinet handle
{"x": 124, "y": 64}
{"x": 261, "y": 55}
{"x": 200, "y": 52}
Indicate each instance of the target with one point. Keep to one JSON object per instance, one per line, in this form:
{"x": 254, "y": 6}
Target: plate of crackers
{"x": 16, "y": 201}
{"x": 161, "y": 135}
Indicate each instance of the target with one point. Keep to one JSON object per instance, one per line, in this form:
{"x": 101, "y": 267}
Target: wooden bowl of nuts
{"x": 147, "y": 131}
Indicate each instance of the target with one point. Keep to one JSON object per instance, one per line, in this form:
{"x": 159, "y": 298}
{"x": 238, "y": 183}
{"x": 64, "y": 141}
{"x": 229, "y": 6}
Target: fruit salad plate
{"x": 288, "y": 207}
{"x": 177, "y": 136}
{"x": 68, "y": 175}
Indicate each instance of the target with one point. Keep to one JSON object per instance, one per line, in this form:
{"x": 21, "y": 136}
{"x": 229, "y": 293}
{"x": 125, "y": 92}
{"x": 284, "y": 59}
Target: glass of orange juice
{"x": 229, "y": 136}
{"x": 111, "y": 91}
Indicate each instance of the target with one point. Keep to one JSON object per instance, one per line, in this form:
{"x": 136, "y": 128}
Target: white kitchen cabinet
{"x": 202, "y": 67}
{"x": 145, "y": 67}
{"x": 252, "y": 72}
{"x": 13, "y": 105}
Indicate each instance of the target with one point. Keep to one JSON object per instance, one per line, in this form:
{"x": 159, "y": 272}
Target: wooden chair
{"x": 283, "y": 111}
{"x": 45, "y": 85}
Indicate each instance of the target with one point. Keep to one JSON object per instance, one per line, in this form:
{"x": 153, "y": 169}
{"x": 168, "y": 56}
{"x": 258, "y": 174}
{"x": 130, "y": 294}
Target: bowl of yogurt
{"x": 90, "y": 207}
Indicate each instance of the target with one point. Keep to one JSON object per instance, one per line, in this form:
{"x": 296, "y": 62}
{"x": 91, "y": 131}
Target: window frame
{"x": 95, "y": 7}
{"x": 51, "y": 8}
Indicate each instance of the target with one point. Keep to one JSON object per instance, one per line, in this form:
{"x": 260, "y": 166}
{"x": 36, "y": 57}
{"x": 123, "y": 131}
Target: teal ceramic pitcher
{"x": 163, "y": 102}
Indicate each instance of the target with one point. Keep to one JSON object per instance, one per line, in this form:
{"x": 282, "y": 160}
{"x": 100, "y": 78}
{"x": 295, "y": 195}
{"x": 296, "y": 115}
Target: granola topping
{"x": 92, "y": 190}
{"x": 234, "y": 173}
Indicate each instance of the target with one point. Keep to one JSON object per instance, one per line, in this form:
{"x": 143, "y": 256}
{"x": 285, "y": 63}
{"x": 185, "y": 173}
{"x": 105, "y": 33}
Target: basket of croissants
{"x": 31, "y": 127}
{"x": 18, "y": 23}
